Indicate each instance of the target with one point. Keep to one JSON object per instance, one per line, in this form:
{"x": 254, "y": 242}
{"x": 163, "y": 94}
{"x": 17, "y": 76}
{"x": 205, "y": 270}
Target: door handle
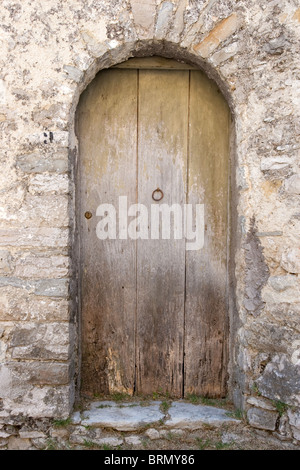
{"x": 157, "y": 195}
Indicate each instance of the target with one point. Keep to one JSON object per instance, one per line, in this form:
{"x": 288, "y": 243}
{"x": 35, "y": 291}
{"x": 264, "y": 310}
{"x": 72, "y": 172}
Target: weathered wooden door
{"x": 153, "y": 314}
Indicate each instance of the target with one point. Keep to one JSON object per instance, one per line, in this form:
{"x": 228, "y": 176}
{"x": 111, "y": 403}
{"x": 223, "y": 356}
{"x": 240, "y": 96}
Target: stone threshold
{"x": 135, "y": 416}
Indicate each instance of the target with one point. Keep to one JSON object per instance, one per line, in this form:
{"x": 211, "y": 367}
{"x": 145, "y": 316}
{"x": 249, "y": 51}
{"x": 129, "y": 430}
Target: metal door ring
{"x": 157, "y": 198}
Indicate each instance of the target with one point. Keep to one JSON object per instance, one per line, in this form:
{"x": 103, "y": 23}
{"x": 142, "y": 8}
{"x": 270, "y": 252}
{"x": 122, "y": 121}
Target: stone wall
{"x": 51, "y": 50}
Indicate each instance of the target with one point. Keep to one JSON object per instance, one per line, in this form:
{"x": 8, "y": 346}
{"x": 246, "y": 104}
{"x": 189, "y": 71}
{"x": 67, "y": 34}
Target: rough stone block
{"x": 294, "y": 418}
{"x": 95, "y": 36}
{"x": 48, "y": 183}
{"x": 284, "y": 427}
{"x": 40, "y": 341}
{"x": 266, "y": 335}
{"x": 291, "y": 424}
{"x": 133, "y": 440}
{"x": 41, "y": 265}
{"x": 290, "y": 260}
{"x": 153, "y": 434}
{"x": 163, "y": 20}
{"x": 17, "y": 304}
{"x": 177, "y": 24}
{"x": 44, "y": 287}
{"x": 282, "y": 283}
{"x": 77, "y": 439}
{"x": 262, "y": 419}
{"x": 52, "y": 287}
{"x": 60, "y": 433}
{"x": 40, "y": 443}
{"x": 261, "y": 403}
{"x": 35, "y": 237}
{"x": 39, "y": 373}
{"x": 32, "y": 434}
{"x": 280, "y": 380}
{"x": 59, "y": 138}
{"x": 296, "y": 15}
{"x": 219, "y": 33}
{"x": 296, "y": 433}
{"x": 17, "y": 443}
{"x": 257, "y": 272}
{"x": 73, "y": 73}
{"x": 275, "y": 163}
{"x": 43, "y": 210}
{"x": 277, "y": 45}
{"x": 81, "y": 434}
{"x": 290, "y": 312}
{"x": 45, "y": 115}
{"x": 37, "y": 402}
{"x": 225, "y": 54}
{"x": 97, "y": 48}
{"x": 19, "y": 395}
{"x": 11, "y": 199}
{"x": 280, "y": 289}
{"x": 292, "y": 185}
{"x": 109, "y": 441}
{"x": 143, "y": 16}
{"x": 38, "y": 163}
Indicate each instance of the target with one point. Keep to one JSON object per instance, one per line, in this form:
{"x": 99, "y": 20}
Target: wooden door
{"x": 153, "y": 315}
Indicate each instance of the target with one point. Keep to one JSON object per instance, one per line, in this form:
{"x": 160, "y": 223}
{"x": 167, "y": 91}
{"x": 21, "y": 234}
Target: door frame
{"x": 234, "y": 236}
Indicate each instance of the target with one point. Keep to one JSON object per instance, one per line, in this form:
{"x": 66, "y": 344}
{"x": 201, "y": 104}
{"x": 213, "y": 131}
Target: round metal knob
{"x": 88, "y": 215}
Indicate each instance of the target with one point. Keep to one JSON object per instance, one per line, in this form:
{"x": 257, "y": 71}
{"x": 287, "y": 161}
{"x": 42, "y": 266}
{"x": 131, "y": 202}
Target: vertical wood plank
{"x": 206, "y": 269}
{"x": 162, "y": 157}
{"x": 107, "y": 129}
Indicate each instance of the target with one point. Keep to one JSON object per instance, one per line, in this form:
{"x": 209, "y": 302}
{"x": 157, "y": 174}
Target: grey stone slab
{"x": 189, "y": 416}
{"x": 280, "y": 380}
{"x": 44, "y": 287}
{"x": 292, "y": 185}
{"x": 36, "y": 163}
{"x": 16, "y": 443}
{"x": 73, "y": 72}
{"x": 122, "y": 417}
{"x": 116, "y": 404}
{"x": 52, "y": 287}
{"x": 164, "y": 16}
{"x": 152, "y": 434}
{"x": 261, "y": 403}
{"x": 133, "y": 440}
{"x": 110, "y": 403}
{"x": 262, "y": 419}
{"x": 109, "y": 441}
{"x": 76, "y": 418}
{"x": 31, "y": 434}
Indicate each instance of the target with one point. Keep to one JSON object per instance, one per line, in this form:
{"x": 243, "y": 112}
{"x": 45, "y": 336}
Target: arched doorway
{"x": 154, "y": 313}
